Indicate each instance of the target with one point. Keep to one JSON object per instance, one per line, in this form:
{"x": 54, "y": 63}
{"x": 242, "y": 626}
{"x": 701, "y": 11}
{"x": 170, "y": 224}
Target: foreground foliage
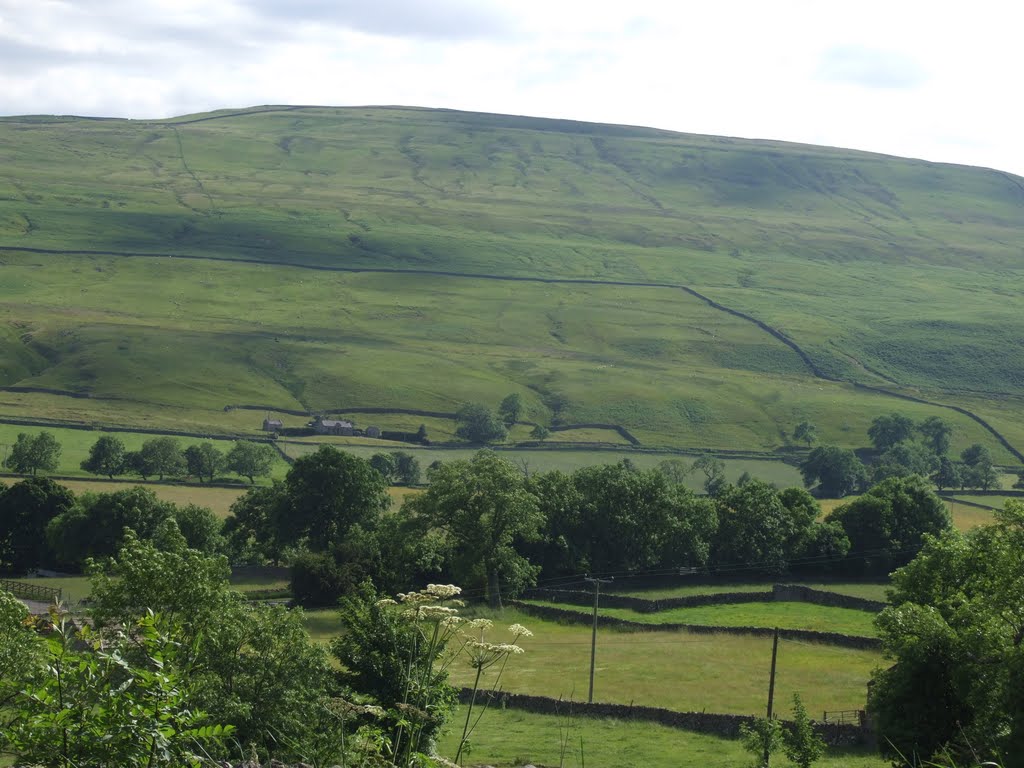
{"x": 955, "y": 631}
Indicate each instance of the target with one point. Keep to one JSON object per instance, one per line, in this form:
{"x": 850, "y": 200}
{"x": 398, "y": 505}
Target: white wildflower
{"x": 519, "y": 631}
{"x": 483, "y": 624}
{"x": 443, "y": 591}
{"x": 386, "y": 601}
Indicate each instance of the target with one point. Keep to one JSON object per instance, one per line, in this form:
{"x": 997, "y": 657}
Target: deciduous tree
{"x": 162, "y": 456}
{"x": 106, "y": 457}
{"x": 203, "y": 460}
{"x": 32, "y": 453}
{"x": 250, "y": 459}
{"x": 484, "y": 509}
{"x": 837, "y": 471}
{"x": 886, "y": 431}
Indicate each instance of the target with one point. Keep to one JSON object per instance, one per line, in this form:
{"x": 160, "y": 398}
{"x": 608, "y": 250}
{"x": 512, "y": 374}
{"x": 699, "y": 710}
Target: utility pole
{"x": 771, "y": 687}
{"x": 593, "y": 637}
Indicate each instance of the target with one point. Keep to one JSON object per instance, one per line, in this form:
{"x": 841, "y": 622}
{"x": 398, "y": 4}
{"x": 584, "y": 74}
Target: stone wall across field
{"x": 727, "y": 726}
{"x": 778, "y": 593}
{"x": 806, "y": 635}
{"x": 800, "y": 593}
{"x": 643, "y": 605}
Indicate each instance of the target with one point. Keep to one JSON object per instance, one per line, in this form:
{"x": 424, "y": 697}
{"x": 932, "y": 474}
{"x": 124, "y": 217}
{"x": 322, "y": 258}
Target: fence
{"x": 28, "y": 591}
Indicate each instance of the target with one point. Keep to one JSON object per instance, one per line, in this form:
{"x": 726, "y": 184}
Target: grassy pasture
{"x": 818, "y": 618}
{"x": 668, "y": 669}
{"x": 508, "y": 738}
{"x": 886, "y": 271}
{"x": 855, "y": 589}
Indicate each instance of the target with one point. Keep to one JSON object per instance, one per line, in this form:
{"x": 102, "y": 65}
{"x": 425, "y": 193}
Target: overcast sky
{"x": 937, "y": 80}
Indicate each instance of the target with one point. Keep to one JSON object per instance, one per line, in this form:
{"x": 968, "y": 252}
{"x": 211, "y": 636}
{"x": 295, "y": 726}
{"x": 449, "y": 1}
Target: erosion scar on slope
{"x": 774, "y": 332}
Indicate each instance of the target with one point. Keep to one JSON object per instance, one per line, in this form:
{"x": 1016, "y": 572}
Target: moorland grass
{"x": 885, "y": 271}
{"x": 785, "y": 615}
{"x": 509, "y": 737}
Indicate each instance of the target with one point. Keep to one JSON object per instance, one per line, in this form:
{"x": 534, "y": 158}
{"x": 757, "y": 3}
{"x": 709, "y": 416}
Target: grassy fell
{"x": 885, "y": 271}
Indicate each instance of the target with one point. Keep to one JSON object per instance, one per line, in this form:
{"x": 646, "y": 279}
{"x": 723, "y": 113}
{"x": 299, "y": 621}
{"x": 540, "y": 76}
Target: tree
{"x": 95, "y": 526}
{"x": 954, "y": 628}
{"x": 200, "y": 527}
{"x": 906, "y": 458}
{"x": 26, "y": 508}
{"x": 29, "y": 454}
{"x": 714, "y": 472}
{"x": 756, "y": 527}
{"x": 316, "y": 579}
{"x": 479, "y": 424}
{"x": 162, "y": 456}
{"x": 806, "y": 432}
{"x": 407, "y": 468}
{"x": 203, "y": 460}
{"x": 385, "y": 464}
{"x": 540, "y": 432}
{"x": 838, "y": 472}
{"x": 978, "y": 470}
{"x": 137, "y": 464}
{"x": 326, "y": 494}
{"x": 106, "y": 457}
{"x": 421, "y": 435}
{"x": 484, "y": 509}
{"x": 675, "y": 471}
{"x": 889, "y": 524}
{"x": 936, "y": 434}
{"x": 251, "y": 529}
{"x": 250, "y": 459}
{"x": 761, "y": 738}
{"x": 948, "y": 474}
{"x": 800, "y": 743}
{"x": 886, "y": 431}
{"x": 259, "y": 672}
{"x": 510, "y": 409}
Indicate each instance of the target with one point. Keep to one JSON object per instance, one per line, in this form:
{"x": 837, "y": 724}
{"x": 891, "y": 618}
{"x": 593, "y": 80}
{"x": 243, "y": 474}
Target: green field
{"x": 667, "y": 669}
{"x": 886, "y": 272}
{"x": 512, "y": 738}
{"x": 855, "y": 589}
{"x": 818, "y": 618}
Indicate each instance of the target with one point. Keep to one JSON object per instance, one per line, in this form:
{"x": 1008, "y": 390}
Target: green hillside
{"x": 407, "y": 258}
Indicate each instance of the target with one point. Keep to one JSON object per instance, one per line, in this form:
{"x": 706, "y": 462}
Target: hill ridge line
{"x": 774, "y": 332}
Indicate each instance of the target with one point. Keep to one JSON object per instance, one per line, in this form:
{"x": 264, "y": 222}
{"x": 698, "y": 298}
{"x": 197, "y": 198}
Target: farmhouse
{"x": 272, "y": 425}
{"x": 324, "y": 426}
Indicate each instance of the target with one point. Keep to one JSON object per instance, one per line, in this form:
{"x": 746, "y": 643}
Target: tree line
{"x": 901, "y": 448}
{"x": 158, "y": 457}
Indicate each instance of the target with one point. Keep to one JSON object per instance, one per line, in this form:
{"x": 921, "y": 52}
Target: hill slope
{"x": 753, "y": 284}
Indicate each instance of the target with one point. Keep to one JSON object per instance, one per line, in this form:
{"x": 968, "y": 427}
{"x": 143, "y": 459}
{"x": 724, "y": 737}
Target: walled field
{"x": 784, "y": 615}
{"x": 512, "y": 738}
{"x": 857, "y": 589}
{"x": 667, "y": 669}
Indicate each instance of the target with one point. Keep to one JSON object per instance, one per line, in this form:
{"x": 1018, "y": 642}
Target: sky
{"x": 935, "y": 80}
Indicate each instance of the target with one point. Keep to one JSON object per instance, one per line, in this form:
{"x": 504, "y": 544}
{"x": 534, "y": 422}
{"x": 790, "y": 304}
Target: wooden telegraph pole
{"x": 593, "y": 637}
{"x": 771, "y": 687}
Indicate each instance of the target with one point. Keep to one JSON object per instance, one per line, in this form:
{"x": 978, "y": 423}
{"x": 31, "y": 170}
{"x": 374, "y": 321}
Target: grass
{"x": 667, "y": 669}
{"x": 818, "y": 618}
{"x": 507, "y": 738}
{"x": 966, "y": 517}
{"x": 856, "y": 589}
{"x": 886, "y": 272}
